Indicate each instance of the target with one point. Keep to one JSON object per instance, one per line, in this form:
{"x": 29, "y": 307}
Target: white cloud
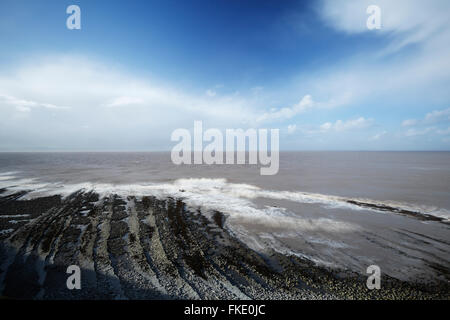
{"x": 326, "y": 126}
{"x": 90, "y": 85}
{"x": 371, "y": 73}
{"x": 114, "y": 108}
{"x": 409, "y": 123}
{"x": 378, "y": 136}
{"x": 419, "y": 132}
{"x": 438, "y": 116}
{"x": 289, "y": 112}
{"x": 422, "y": 127}
{"x": 291, "y": 128}
{"x": 428, "y": 130}
{"x": 405, "y": 21}
{"x": 210, "y": 93}
{"x": 124, "y": 101}
{"x": 23, "y": 105}
{"x": 340, "y": 125}
{"x": 23, "y": 109}
{"x": 433, "y": 117}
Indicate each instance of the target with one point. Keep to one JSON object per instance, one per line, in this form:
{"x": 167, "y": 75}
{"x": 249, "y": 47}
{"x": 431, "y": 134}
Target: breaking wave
{"x": 233, "y": 199}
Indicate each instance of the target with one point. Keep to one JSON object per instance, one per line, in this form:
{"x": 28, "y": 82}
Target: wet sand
{"x": 149, "y": 248}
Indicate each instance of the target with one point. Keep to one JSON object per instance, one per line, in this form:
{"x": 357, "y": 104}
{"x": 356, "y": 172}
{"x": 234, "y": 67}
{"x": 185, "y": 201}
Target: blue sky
{"x": 137, "y": 70}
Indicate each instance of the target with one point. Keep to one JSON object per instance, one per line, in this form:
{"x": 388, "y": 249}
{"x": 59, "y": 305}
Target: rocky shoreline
{"x": 150, "y": 248}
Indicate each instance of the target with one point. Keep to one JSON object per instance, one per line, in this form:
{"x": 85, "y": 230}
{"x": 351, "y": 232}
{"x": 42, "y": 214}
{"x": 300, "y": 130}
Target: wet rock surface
{"x": 148, "y": 248}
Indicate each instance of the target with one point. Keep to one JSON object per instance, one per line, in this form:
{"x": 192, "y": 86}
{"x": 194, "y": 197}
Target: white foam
{"x": 17, "y": 221}
{"x": 235, "y": 199}
{"x": 2, "y": 178}
{"x": 8, "y": 173}
{"x": 2, "y": 232}
{"x": 84, "y": 212}
{"x": 319, "y": 239}
{"x": 15, "y": 216}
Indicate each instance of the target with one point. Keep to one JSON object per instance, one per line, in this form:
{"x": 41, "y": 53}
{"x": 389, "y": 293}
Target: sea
{"x": 310, "y": 208}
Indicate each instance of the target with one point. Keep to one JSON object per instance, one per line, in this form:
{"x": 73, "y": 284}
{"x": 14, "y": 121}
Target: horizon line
{"x": 168, "y": 151}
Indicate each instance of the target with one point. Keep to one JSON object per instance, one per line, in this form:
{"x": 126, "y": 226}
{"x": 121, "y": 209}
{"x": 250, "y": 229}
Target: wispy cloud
{"x": 210, "y": 93}
{"x": 341, "y": 125}
{"x": 90, "y": 85}
{"x": 291, "y": 128}
{"x": 413, "y": 132}
{"x": 419, "y": 132}
{"x": 124, "y": 101}
{"x": 406, "y": 68}
{"x": 111, "y": 106}
{"x": 288, "y": 112}
{"x": 373, "y": 73}
{"x": 23, "y": 105}
{"x": 420, "y": 127}
{"x": 405, "y": 21}
{"x": 409, "y": 123}
{"x": 436, "y": 116}
{"x": 378, "y": 136}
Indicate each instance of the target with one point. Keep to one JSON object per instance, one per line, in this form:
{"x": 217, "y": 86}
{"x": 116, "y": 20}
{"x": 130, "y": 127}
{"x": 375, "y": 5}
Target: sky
{"x": 138, "y": 70}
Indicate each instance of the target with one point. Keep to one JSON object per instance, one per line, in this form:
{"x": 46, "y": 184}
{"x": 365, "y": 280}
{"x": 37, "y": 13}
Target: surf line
{"x": 236, "y": 147}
